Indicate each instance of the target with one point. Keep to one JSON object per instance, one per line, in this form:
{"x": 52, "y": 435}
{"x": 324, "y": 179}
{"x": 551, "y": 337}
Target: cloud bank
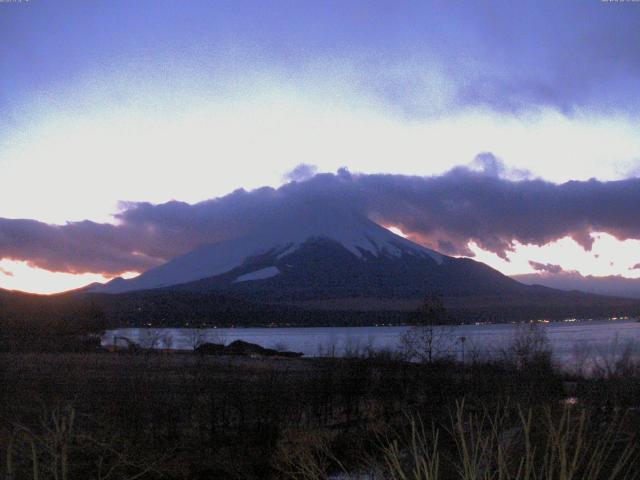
{"x": 484, "y": 204}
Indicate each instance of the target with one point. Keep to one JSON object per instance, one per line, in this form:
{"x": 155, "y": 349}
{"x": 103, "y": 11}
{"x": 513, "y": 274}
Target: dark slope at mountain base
{"x": 323, "y": 269}
{"x": 167, "y": 308}
{"x": 170, "y": 308}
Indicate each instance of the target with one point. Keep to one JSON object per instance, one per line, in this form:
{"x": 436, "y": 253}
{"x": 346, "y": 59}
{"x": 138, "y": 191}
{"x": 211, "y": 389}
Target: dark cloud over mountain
{"x": 301, "y": 172}
{"x": 444, "y": 212}
{"x": 546, "y": 267}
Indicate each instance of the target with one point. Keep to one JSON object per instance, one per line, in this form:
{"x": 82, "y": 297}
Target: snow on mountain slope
{"x": 261, "y": 274}
{"x": 356, "y": 233}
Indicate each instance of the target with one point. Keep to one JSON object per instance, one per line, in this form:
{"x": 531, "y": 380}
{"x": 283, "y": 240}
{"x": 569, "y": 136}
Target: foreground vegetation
{"x": 69, "y": 410}
{"x": 101, "y": 416}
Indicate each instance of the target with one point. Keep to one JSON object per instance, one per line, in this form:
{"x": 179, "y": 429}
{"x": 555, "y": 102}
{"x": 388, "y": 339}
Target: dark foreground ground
{"x": 177, "y": 416}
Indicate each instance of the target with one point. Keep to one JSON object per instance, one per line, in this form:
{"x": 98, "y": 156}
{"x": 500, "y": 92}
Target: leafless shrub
{"x": 353, "y": 348}
{"x": 195, "y": 337}
{"x": 166, "y": 340}
{"x": 529, "y": 346}
{"x": 427, "y": 343}
{"x": 215, "y": 335}
{"x": 150, "y": 338}
{"x": 618, "y": 359}
{"x": 327, "y": 350}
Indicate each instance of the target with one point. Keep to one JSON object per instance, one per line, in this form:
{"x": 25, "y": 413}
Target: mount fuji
{"x": 319, "y": 254}
{"x": 332, "y": 260}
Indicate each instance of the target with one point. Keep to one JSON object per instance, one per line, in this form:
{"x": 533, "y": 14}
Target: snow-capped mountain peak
{"x": 359, "y": 235}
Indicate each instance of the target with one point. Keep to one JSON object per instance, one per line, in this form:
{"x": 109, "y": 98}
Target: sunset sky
{"x": 507, "y": 131}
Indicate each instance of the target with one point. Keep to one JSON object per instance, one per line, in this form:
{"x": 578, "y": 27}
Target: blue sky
{"x": 119, "y": 101}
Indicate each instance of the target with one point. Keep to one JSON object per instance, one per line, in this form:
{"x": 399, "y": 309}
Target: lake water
{"x": 574, "y": 344}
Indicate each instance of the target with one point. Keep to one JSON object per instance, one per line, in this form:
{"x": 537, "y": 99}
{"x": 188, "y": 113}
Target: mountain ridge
{"x": 612, "y": 285}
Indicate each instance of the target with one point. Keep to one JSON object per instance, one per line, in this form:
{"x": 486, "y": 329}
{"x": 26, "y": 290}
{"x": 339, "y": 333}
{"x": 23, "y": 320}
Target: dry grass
{"x": 506, "y": 444}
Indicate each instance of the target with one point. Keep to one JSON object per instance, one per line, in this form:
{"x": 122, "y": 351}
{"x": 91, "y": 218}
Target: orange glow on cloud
{"x": 609, "y": 256}
{"x": 21, "y": 276}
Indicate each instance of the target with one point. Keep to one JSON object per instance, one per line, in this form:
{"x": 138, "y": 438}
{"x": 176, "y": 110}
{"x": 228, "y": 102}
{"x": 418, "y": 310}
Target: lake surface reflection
{"x": 574, "y": 344}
